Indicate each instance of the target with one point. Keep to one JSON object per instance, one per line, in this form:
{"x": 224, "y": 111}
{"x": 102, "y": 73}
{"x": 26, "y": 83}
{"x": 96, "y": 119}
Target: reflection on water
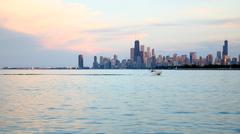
{"x": 41, "y": 104}
{"x": 119, "y": 101}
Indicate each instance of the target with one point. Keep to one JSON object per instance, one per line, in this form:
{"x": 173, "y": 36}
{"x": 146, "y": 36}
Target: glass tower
{"x": 80, "y": 61}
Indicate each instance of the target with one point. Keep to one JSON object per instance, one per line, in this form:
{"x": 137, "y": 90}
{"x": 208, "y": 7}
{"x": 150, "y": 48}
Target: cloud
{"x": 222, "y": 22}
{"x": 9, "y": 40}
{"x": 71, "y": 26}
{"x": 148, "y": 25}
{"x": 19, "y": 49}
{"x": 54, "y": 22}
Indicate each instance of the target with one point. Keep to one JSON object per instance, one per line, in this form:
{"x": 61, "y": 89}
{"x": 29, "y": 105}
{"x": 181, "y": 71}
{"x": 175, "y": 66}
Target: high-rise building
{"x": 142, "y": 48}
{"x": 154, "y": 61}
{"x": 139, "y": 62}
{"x": 239, "y": 59}
{"x": 174, "y": 57}
{"x": 225, "y": 60}
{"x": 106, "y": 63}
{"x": 123, "y": 64}
{"x": 136, "y": 50}
{"x": 193, "y": 57}
{"x": 95, "y": 63}
{"x": 80, "y": 61}
{"x": 201, "y": 61}
{"x": 219, "y": 55}
{"x": 209, "y": 59}
{"x": 225, "y": 48}
{"x": 115, "y": 57}
{"x": 101, "y": 65}
{"x": 101, "y": 59}
{"x": 218, "y": 58}
{"x": 132, "y": 54}
{"x": 159, "y": 59}
{"x": 145, "y": 57}
{"x": 148, "y": 52}
{"x": 142, "y": 57}
{"x": 185, "y": 59}
{"x": 234, "y": 61}
{"x": 153, "y": 52}
{"x": 115, "y": 63}
{"x": 142, "y": 53}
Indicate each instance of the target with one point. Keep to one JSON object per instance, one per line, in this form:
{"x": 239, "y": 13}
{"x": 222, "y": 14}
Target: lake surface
{"x": 119, "y": 102}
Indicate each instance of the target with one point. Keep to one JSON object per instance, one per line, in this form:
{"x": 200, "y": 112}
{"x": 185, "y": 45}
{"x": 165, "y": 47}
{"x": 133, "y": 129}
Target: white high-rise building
{"x": 148, "y": 52}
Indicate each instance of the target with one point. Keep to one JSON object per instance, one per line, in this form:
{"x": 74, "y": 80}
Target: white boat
{"x": 156, "y": 72}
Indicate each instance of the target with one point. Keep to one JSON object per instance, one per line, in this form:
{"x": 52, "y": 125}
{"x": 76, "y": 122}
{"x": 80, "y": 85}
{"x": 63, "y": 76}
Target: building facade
{"x": 225, "y": 48}
{"x": 136, "y": 50}
{"x": 80, "y": 62}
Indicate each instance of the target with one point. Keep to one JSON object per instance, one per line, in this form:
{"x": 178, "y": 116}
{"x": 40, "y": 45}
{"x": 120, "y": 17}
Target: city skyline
{"x": 141, "y": 59}
{"x": 120, "y": 66}
{"x": 51, "y": 33}
{"x": 137, "y": 52}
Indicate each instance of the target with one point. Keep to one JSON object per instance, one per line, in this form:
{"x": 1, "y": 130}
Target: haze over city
{"x": 52, "y": 33}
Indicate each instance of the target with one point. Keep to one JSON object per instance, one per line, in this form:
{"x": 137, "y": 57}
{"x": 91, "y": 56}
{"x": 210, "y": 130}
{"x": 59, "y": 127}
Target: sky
{"x": 50, "y": 33}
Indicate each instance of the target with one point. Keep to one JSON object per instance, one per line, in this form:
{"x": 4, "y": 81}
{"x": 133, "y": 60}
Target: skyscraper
{"x": 225, "y": 58}
{"x": 209, "y": 59}
{"x": 139, "y": 62}
{"x": 153, "y": 62}
{"x": 175, "y": 57}
{"x": 95, "y": 63}
{"x": 234, "y": 61}
{"x": 136, "y": 50}
{"x": 145, "y": 57}
{"x": 101, "y": 62}
{"x": 239, "y": 59}
{"x": 132, "y": 54}
{"x": 225, "y": 48}
{"x": 193, "y": 57}
{"x": 101, "y": 59}
{"x": 148, "y": 52}
{"x": 142, "y": 57}
{"x": 219, "y": 55}
{"x": 142, "y": 48}
{"x": 153, "y": 52}
{"x": 115, "y": 57}
{"x": 218, "y": 58}
{"x": 80, "y": 61}
{"x": 142, "y": 53}
{"x": 201, "y": 61}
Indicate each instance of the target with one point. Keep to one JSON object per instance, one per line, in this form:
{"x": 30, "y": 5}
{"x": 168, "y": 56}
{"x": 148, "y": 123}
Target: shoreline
{"x": 217, "y": 69}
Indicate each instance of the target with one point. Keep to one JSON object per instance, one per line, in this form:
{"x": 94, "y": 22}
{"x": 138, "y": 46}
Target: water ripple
{"x": 184, "y": 112}
{"x": 226, "y": 113}
{"x": 120, "y": 101}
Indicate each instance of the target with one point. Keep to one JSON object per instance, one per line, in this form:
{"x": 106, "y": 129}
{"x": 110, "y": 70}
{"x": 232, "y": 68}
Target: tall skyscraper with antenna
{"x": 136, "y": 50}
{"x": 225, "y": 48}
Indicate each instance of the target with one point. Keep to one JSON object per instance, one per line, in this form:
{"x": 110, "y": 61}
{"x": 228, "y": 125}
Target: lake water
{"x": 119, "y": 102}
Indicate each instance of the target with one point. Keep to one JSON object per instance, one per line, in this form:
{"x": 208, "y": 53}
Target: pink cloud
{"x": 54, "y": 22}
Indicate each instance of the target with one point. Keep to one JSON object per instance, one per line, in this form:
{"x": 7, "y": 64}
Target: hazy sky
{"x": 53, "y": 32}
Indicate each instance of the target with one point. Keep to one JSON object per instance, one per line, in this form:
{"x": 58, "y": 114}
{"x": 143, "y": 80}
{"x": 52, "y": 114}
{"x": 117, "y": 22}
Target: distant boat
{"x": 156, "y": 72}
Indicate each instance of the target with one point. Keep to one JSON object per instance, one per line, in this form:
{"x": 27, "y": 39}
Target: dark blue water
{"x": 119, "y": 102}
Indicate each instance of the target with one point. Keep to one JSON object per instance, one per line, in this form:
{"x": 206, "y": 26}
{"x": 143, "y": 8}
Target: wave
{"x": 71, "y": 74}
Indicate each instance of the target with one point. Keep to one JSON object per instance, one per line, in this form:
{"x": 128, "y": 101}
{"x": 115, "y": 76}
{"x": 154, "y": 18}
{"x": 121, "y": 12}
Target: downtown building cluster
{"x": 147, "y": 59}
{"x": 139, "y": 59}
